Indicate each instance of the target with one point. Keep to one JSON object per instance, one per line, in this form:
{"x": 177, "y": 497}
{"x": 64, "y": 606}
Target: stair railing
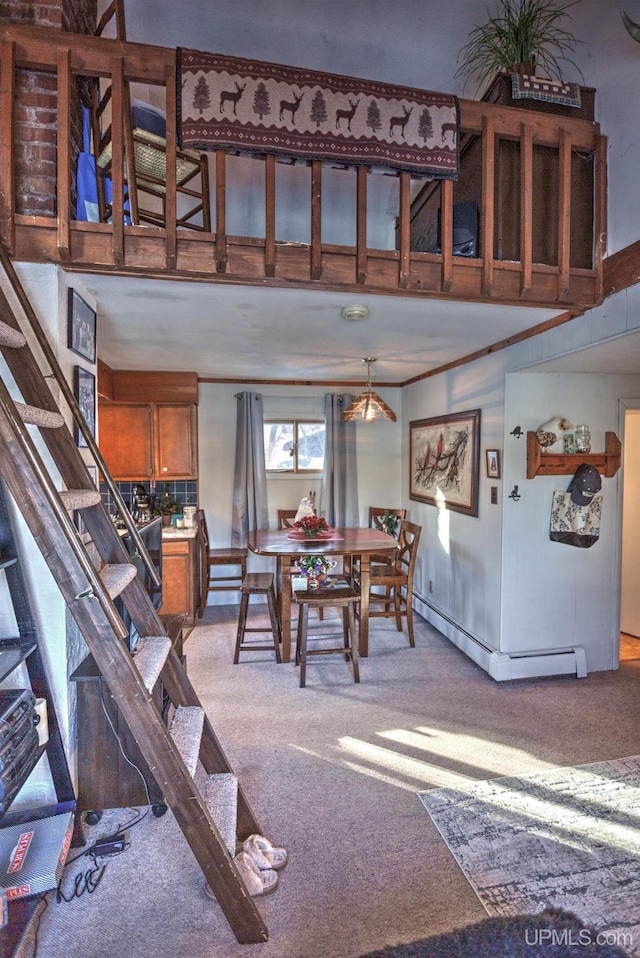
{"x": 74, "y": 408}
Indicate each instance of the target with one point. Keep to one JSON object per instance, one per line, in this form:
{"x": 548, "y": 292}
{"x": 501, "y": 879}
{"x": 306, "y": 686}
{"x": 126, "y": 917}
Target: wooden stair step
{"x": 80, "y": 498}
{"x": 186, "y": 732}
{"x": 149, "y": 656}
{"x": 44, "y": 418}
{"x": 117, "y": 576}
{"x": 11, "y": 337}
{"x": 221, "y": 799}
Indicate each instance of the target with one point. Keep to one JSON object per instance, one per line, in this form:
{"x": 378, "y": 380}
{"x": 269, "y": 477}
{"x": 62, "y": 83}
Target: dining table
{"x": 352, "y": 543}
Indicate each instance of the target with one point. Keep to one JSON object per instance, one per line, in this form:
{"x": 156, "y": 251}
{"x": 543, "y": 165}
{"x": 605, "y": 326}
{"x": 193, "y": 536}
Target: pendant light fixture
{"x": 368, "y": 405}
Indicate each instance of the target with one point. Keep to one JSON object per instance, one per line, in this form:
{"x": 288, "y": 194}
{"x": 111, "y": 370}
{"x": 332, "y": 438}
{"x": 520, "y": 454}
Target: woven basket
{"x": 151, "y": 161}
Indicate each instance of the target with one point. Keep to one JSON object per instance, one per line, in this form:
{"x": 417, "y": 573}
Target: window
{"x": 294, "y": 446}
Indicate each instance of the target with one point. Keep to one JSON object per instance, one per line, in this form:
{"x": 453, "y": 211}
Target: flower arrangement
{"x": 311, "y": 525}
{"x": 315, "y": 565}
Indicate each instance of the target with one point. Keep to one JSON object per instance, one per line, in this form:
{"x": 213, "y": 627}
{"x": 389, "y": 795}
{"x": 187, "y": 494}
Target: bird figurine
{"x": 552, "y": 431}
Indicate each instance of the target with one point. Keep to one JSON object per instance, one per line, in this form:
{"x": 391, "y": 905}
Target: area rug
{"x": 229, "y": 103}
{"x": 563, "y": 838}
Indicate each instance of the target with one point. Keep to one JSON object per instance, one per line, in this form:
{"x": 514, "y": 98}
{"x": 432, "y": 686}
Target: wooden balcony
{"x": 574, "y": 230}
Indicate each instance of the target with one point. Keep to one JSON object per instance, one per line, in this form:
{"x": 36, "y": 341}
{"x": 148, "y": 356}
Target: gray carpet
{"x": 568, "y": 838}
{"x": 332, "y": 772}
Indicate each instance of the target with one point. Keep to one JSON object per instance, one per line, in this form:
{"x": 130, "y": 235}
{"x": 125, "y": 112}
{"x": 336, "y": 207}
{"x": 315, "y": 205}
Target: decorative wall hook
{"x": 514, "y": 494}
{"x": 517, "y": 432}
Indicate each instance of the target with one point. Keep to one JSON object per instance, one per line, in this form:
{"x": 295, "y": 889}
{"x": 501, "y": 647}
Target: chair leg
{"x": 242, "y": 621}
{"x": 345, "y": 631}
{"x": 303, "y": 621}
{"x": 354, "y": 643}
{"x": 275, "y": 623}
{"x": 398, "y": 603}
{"x": 409, "y": 607}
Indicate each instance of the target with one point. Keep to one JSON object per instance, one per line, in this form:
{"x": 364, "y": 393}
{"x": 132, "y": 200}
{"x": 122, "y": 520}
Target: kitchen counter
{"x": 188, "y": 532}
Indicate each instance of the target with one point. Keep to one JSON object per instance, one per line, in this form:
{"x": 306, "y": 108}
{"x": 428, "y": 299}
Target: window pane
{"x": 278, "y": 446}
{"x": 311, "y": 446}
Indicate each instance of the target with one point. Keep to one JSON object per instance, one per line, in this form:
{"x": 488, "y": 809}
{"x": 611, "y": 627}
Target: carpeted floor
{"x": 332, "y": 772}
{"x": 567, "y": 837}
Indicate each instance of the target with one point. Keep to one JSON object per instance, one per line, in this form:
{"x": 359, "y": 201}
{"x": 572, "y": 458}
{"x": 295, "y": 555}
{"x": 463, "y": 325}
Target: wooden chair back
{"x": 286, "y": 518}
{"x": 376, "y": 514}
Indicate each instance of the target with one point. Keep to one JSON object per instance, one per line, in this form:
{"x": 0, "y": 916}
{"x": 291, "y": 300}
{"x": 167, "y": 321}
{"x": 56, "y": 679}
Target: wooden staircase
{"x": 214, "y": 819}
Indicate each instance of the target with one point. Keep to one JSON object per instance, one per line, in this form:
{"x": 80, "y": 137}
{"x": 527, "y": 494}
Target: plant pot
{"x": 166, "y": 520}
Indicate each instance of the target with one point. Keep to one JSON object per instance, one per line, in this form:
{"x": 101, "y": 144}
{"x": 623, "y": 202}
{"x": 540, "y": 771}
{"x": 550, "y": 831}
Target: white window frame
{"x": 295, "y": 423}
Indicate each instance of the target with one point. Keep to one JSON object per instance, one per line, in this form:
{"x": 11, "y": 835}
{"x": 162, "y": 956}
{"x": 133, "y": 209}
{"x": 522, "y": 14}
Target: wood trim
{"x": 404, "y": 265}
{"x": 487, "y": 224}
{"x": 222, "y": 256}
{"x": 526, "y": 208}
{"x": 170, "y": 198}
{"x": 564, "y": 216}
{"x": 621, "y": 269}
{"x": 600, "y": 213}
{"x": 361, "y": 224}
{"x": 63, "y": 152}
{"x": 7, "y": 159}
{"x": 105, "y": 380}
{"x": 142, "y": 385}
{"x": 270, "y": 215}
{"x": 446, "y": 234}
{"x": 117, "y": 161}
{"x": 316, "y": 219}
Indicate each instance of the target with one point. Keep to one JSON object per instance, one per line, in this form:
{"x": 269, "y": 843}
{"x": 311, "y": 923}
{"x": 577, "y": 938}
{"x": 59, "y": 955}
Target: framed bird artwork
{"x": 445, "y": 456}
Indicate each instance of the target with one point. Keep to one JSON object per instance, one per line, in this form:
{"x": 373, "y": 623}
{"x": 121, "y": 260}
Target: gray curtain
{"x": 250, "y": 477}
{"x": 339, "y": 487}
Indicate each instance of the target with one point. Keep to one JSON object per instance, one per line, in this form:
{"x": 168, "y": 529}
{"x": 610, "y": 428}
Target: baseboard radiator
{"x": 504, "y": 666}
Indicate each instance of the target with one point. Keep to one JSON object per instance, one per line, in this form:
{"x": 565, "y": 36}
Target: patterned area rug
{"x": 564, "y": 838}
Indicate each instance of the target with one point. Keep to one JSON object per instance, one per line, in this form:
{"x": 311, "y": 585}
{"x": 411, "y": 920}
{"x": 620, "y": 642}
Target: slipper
{"x": 258, "y": 882}
{"x": 264, "y": 854}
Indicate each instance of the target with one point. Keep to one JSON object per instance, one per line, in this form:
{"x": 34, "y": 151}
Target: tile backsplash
{"x": 185, "y": 491}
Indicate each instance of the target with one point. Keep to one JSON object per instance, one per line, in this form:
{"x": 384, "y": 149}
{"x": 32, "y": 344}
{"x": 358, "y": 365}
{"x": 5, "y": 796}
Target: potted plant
{"x": 166, "y": 506}
{"x": 521, "y": 36}
{"x": 389, "y": 523}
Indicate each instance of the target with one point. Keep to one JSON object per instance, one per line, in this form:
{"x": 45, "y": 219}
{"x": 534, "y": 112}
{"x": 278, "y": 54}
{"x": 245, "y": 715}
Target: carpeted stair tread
{"x": 44, "y": 418}
{"x": 80, "y": 498}
{"x": 221, "y": 799}
{"x": 117, "y": 576}
{"x": 149, "y": 656}
{"x": 11, "y": 337}
{"x": 186, "y": 732}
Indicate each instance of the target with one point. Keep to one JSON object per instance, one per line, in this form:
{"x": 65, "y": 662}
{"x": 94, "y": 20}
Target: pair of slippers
{"x": 258, "y": 863}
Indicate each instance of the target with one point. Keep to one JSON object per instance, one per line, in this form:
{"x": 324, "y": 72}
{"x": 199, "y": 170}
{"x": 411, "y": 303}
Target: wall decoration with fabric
{"x": 233, "y": 104}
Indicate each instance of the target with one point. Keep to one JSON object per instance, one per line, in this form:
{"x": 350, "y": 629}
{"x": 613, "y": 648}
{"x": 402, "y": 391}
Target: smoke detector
{"x": 355, "y": 312}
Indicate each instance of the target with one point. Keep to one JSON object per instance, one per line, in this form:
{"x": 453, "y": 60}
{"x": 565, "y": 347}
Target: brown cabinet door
{"x": 178, "y": 578}
{"x": 175, "y": 441}
{"x": 125, "y": 439}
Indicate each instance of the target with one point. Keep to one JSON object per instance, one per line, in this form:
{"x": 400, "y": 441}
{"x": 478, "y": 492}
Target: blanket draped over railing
{"x": 233, "y": 104}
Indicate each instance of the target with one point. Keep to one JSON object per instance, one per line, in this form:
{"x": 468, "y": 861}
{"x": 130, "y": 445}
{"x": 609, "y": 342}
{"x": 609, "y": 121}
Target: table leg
{"x": 285, "y": 608}
{"x": 363, "y": 641}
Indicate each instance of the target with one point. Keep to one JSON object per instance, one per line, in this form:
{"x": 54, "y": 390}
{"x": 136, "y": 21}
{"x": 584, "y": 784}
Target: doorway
{"x": 630, "y": 551}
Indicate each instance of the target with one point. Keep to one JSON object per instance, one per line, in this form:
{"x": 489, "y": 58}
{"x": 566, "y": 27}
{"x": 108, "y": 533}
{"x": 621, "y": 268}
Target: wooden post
{"x": 63, "y": 189}
{"x": 316, "y": 219}
{"x": 270, "y": 215}
{"x": 526, "y": 208}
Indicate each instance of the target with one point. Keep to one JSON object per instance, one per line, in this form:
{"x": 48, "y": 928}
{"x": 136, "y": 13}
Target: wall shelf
{"x": 559, "y": 464}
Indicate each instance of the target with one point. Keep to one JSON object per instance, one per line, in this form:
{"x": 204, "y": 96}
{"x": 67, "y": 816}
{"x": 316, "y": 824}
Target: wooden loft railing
{"x": 274, "y": 260}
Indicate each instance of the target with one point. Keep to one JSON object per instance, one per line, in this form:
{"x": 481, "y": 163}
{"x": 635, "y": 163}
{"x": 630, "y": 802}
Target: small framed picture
{"x": 81, "y": 327}
{"x": 493, "y": 463}
{"x": 84, "y": 389}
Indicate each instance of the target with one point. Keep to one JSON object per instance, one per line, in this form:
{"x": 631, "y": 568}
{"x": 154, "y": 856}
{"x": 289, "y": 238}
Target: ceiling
{"x": 243, "y": 333}
{"x": 240, "y": 333}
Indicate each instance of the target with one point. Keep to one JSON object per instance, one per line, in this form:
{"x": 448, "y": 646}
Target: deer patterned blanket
{"x": 233, "y": 104}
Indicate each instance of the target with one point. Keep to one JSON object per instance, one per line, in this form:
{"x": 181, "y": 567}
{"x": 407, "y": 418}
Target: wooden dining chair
{"x": 397, "y": 581}
{"x": 376, "y": 515}
{"x": 211, "y": 559}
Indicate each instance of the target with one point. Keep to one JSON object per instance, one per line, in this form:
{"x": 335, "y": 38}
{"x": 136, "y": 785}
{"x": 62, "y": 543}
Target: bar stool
{"x": 334, "y": 594}
{"x": 210, "y": 559}
{"x": 258, "y": 583}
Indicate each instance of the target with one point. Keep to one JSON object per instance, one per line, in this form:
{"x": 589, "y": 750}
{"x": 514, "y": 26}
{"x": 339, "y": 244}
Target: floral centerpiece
{"x": 310, "y": 526}
{"x": 315, "y": 568}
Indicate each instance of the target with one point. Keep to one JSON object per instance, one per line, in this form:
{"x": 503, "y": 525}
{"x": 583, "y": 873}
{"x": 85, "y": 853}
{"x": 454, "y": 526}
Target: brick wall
{"x": 36, "y": 106}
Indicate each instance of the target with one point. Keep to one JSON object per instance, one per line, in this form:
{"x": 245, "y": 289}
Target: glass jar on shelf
{"x": 583, "y": 439}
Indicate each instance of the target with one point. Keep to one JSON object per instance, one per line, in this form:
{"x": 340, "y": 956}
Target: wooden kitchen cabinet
{"x": 180, "y": 577}
{"x": 149, "y": 440}
{"x": 175, "y": 445}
